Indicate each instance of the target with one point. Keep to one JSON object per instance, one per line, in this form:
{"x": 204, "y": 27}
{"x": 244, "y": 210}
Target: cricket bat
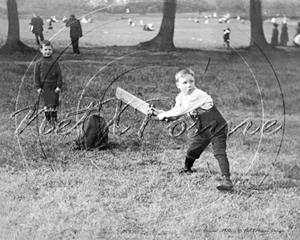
{"x": 135, "y": 102}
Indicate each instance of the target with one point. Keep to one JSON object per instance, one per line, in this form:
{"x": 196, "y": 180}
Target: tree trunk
{"x": 164, "y": 38}
{"x": 258, "y": 39}
{"x": 13, "y": 42}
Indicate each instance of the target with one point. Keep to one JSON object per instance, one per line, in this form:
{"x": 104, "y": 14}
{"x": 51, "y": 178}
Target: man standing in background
{"x": 36, "y": 27}
{"x": 75, "y": 33}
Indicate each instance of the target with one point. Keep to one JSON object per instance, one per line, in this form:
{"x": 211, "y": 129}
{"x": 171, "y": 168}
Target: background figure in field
{"x": 296, "y": 39}
{"x": 37, "y": 28}
{"x": 284, "y": 36}
{"x": 129, "y": 21}
{"x": 298, "y": 29}
{"x": 50, "y": 27}
{"x": 275, "y": 34}
{"x": 75, "y": 32}
{"x": 148, "y": 27}
{"x": 51, "y": 20}
{"x": 226, "y": 37}
{"x": 64, "y": 19}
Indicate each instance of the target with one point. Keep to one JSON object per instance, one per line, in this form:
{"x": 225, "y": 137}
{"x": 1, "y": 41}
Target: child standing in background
{"x": 48, "y": 81}
{"x": 226, "y": 37}
{"x": 211, "y": 126}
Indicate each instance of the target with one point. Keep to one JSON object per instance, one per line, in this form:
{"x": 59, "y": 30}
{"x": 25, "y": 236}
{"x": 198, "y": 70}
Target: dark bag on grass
{"x": 94, "y": 134}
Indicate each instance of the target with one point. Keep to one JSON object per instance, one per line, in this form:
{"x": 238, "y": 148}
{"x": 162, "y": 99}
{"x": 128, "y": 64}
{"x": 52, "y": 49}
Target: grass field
{"x": 133, "y": 190}
{"x": 110, "y": 30}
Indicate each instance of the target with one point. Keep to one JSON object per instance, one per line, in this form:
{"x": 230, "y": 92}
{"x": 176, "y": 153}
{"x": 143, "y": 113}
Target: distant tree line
{"x": 63, "y": 7}
{"x": 164, "y": 38}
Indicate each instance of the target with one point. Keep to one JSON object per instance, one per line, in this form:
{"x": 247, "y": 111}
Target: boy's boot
{"x": 188, "y": 166}
{"x": 54, "y": 116}
{"x": 48, "y": 116}
{"x": 226, "y": 184}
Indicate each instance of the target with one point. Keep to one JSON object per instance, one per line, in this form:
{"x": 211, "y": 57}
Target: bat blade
{"x": 132, "y": 100}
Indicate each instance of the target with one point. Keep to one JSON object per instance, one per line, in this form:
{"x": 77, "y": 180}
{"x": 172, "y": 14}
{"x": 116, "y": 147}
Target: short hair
{"x": 46, "y": 43}
{"x": 183, "y": 72}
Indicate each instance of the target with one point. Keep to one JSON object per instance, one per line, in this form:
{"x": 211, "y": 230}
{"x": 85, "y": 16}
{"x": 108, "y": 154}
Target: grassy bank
{"x": 133, "y": 189}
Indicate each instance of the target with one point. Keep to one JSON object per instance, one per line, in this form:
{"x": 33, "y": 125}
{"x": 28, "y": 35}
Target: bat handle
{"x": 170, "y": 119}
{"x": 166, "y": 119}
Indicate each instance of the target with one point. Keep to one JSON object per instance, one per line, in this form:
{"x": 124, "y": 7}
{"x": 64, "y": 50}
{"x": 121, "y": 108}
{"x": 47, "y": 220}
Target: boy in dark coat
{"x": 48, "y": 81}
{"x": 75, "y": 32}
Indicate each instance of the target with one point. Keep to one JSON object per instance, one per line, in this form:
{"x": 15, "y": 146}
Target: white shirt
{"x": 187, "y": 103}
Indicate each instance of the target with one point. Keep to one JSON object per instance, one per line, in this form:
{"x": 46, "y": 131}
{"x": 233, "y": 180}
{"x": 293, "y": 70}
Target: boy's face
{"x": 186, "y": 84}
{"x": 46, "y": 51}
